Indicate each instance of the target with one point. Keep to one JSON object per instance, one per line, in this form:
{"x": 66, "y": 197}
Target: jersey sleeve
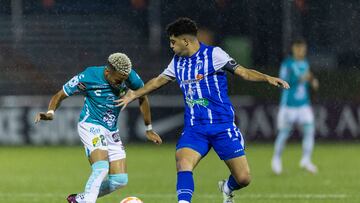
{"x": 134, "y": 81}
{"x": 76, "y": 85}
{"x": 284, "y": 72}
{"x": 287, "y": 73}
{"x": 169, "y": 72}
{"x": 221, "y": 58}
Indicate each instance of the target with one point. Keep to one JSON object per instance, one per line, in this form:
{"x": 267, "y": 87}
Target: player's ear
{"x": 186, "y": 41}
{"x": 107, "y": 70}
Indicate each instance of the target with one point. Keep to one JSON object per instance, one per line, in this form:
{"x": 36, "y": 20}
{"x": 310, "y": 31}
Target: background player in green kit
{"x": 101, "y": 85}
{"x": 295, "y": 107}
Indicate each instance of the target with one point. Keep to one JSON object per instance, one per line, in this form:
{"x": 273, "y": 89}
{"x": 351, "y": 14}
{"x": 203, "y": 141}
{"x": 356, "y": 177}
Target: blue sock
{"x": 232, "y": 184}
{"x": 185, "y": 185}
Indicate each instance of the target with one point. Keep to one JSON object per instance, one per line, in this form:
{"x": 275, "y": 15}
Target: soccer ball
{"x": 131, "y": 200}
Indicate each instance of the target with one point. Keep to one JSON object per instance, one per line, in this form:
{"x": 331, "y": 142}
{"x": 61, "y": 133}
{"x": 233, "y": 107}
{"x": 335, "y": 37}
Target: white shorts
{"x": 97, "y": 137}
{"x": 288, "y": 116}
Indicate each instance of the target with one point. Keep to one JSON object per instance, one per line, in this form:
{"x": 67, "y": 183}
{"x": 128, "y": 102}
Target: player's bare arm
{"x": 310, "y": 77}
{"x": 150, "y": 86}
{"x": 253, "y": 75}
{"x": 146, "y": 113}
{"x": 53, "y": 105}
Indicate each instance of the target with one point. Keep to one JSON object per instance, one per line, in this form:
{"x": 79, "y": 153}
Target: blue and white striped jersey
{"x": 204, "y": 85}
{"x": 99, "y": 107}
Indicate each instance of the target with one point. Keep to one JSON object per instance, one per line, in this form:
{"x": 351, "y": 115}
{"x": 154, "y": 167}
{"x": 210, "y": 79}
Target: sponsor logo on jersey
{"x": 96, "y": 141}
{"x": 110, "y": 97}
{"x": 100, "y": 86}
{"x": 99, "y": 141}
{"x": 109, "y": 118}
{"x": 239, "y": 150}
{"x": 122, "y": 92}
{"x": 94, "y": 130}
{"x": 191, "y": 81}
{"x": 116, "y": 137}
{"x": 81, "y": 86}
{"x": 97, "y": 93}
{"x": 199, "y": 76}
{"x": 202, "y": 102}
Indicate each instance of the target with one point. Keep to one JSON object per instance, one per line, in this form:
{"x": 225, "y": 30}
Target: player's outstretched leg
{"x": 186, "y": 160}
{"x": 276, "y": 163}
{"x": 100, "y": 168}
{"x": 239, "y": 178}
{"x": 117, "y": 178}
{"x": 113, "y": 182}
{"x": 308, "y": 146}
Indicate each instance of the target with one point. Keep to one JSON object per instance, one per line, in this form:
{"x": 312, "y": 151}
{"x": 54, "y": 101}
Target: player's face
{"x": 178, "y": 45}
{"x": 113, "y": 77}
{"x": 299, "y": 51}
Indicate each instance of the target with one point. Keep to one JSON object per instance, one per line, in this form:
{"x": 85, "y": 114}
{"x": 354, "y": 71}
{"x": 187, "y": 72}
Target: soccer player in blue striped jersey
{"x": 200, "y": 71}
{"x": 295, "y": 106}
{"x": 97, "y": 127}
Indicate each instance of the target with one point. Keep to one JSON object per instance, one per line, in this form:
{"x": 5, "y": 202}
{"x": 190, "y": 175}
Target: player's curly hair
{"x": 120, "y": 62}
{"x": 182, "y": 26}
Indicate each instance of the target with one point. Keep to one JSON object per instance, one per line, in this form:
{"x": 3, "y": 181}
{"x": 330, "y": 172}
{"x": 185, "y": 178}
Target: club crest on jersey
{"x": 199, "y": 65}
{"x": 199, "y": 76}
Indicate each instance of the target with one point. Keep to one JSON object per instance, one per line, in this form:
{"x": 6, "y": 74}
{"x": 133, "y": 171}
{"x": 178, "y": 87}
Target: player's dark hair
{"x": 182, "y": 26}
{"x": 299, "y": 40}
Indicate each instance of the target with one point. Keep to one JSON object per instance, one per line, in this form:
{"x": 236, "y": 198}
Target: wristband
{"x": 148, "y": 127}
{"x": 52, "y": 112}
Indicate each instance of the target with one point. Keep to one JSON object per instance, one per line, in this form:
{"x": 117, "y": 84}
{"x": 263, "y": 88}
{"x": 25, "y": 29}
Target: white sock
{"x": 183, "y": 201}
{"x": 308, "y": 141}
{"x": 280, "y": 142}
{"x": 99, "y": 171}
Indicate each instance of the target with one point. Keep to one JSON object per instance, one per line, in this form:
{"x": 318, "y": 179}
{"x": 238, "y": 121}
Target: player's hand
{"x": 315, "y": 84}
{"x": 43, "y": 116}
{"x": 126, "y": 99}
{"x": 278, "y": 82}
{"x": 306, "y": 77}
{"x": 153, "y": 136}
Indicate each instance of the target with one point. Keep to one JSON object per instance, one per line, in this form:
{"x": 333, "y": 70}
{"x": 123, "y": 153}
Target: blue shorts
{"x": 225, "y": 138}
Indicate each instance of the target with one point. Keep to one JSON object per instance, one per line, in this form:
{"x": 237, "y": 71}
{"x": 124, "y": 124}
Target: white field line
{"x": 204, "y": 196}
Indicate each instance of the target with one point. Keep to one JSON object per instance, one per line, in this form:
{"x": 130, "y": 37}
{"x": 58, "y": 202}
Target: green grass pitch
{"x": 49, "y": 174}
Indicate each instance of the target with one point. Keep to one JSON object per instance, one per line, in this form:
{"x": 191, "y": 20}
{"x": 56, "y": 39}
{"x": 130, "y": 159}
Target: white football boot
{"x": 308, "y": 166}
{"x": 276, "y": 165}
{"x": 228, "y": 198}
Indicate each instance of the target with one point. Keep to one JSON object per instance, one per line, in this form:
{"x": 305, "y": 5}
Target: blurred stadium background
{"x": 43, "y": 43}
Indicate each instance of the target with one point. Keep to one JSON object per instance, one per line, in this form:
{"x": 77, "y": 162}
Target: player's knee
{"x": 243, "y": 179}
{"x": 184, "y": 164}
{"x": 118, "y": 181}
